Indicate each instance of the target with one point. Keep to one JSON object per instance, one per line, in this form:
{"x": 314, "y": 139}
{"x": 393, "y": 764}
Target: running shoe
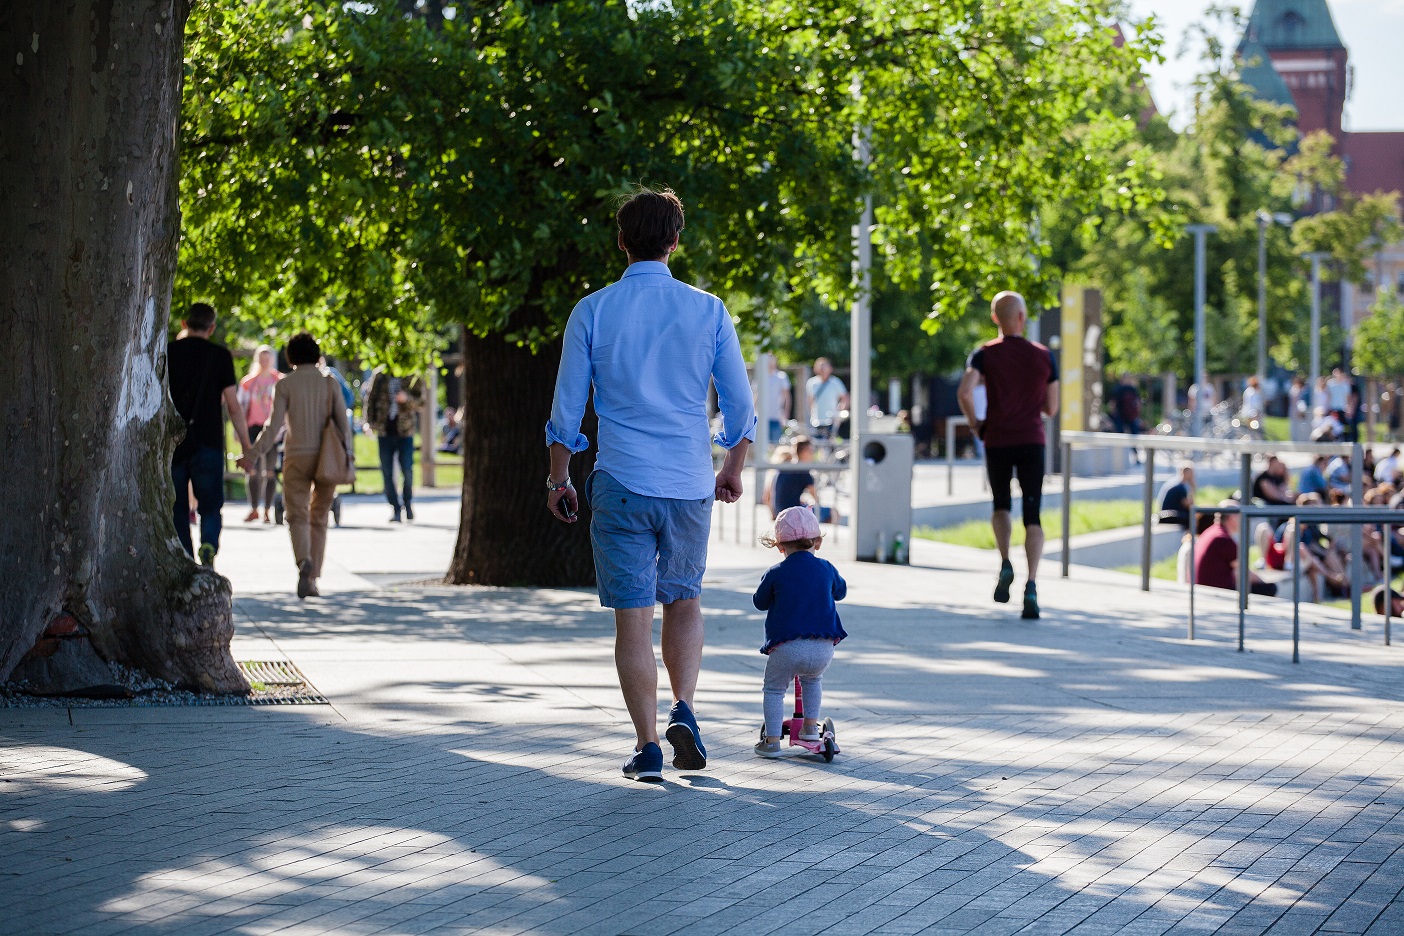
{"x": 646, "y": 765}
{"x": 1006, "y": 578}
{"x": 207, "y": 554}
{"x": 1030, "y": 602}
{"x": 688, "y": 751}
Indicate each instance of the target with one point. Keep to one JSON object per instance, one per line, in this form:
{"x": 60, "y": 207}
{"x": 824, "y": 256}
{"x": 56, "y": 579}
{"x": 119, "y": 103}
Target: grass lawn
{"x": 1165, "y": 568}
{"x": 1089, "y": 516}
{"x": 1277, "y": 428}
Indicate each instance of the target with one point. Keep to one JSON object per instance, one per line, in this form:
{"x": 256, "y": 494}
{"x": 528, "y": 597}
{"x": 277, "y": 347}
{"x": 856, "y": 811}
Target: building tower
{"x": 1300, "y": 40}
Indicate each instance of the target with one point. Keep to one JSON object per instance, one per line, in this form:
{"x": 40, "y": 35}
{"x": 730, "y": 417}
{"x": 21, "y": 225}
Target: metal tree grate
{"x": 278, "y": 682}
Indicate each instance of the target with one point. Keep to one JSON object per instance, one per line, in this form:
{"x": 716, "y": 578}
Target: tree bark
{"x": 506, "y": 536}
{"x": 89, "y": 223}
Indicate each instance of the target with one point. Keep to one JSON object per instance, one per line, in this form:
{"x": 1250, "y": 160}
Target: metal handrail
{"x": 1194, "y": 444}
{"x": 1244, "y": 449}
{"x": 1357, "y": 517}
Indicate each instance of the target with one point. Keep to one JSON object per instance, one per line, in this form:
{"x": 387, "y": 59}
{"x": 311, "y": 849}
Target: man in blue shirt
{"x": 1313, "y": 478}
{"x": 650, "y": 347}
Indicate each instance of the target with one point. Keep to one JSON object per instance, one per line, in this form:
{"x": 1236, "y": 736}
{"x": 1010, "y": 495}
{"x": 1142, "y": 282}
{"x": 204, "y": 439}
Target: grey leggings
{"x": 806, "y": 659}
{"x": 262, "y": 483}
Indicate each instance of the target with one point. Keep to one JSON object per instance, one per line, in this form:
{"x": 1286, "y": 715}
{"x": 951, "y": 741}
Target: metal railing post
{"x": 951, "y": 458}
{"x": 1357, "y": 534}
{"x": 1194, "y": 524}
{"x": 755, "y": 497}
{"x": 1149, "y": 496}
{"x": 1389, "y": 578}
{"x": 1067, "y": 508}
{"x": 1245, "y": 491}
{"x": 1296, "y": 595}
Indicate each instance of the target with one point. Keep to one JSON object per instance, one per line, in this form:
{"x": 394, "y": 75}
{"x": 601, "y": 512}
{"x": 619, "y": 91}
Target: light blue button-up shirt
{"x": 651, "y": 346}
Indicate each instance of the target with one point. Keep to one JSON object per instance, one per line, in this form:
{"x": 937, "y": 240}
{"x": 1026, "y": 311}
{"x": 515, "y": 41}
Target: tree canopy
{"x": 374, "y": 175}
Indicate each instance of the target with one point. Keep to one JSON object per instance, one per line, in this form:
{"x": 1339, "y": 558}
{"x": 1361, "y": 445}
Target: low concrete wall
{"x": 1112, "y": 549}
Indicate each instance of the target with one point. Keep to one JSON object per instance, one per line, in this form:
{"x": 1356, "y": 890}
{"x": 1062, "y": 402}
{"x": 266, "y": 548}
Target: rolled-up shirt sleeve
{"x": 572, "y": 384}
{"x": 738, "y": 410}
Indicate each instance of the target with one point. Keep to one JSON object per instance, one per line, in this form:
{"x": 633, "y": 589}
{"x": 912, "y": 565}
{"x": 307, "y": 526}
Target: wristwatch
{"x": 552, "y": 486}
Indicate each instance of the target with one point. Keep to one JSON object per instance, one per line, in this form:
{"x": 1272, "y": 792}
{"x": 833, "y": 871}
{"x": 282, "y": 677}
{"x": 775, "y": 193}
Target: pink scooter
{"x": 827, "y": 744}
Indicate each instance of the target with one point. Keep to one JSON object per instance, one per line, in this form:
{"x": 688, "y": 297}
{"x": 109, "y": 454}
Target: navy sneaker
{"x": 688, "y": 751}
{"x": 1006, "y": 578}
{"x": 1030, "y": 603}
{"x": 646, "y": 765}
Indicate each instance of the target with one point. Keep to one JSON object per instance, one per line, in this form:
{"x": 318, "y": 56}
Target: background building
{"x": 1294, "y": 55}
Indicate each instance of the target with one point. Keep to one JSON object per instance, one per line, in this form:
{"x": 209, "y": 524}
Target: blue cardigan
{"x": 798, "y": 595}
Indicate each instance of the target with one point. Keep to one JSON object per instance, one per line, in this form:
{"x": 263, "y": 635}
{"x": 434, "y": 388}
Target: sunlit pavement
{"x": 1090, "y": 773}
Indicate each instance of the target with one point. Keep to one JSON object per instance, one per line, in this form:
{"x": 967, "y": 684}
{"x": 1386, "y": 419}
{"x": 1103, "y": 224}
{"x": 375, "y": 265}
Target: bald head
{"x": 1009, "y": 313}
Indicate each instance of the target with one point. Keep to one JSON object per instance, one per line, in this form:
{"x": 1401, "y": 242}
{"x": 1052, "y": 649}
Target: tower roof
{"x": 1293, "y": 24}
{"x": 1256, "y": 71}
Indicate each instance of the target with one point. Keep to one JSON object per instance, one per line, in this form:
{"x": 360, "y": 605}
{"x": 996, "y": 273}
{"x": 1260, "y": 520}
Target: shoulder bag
{"x": 335, "y": 464}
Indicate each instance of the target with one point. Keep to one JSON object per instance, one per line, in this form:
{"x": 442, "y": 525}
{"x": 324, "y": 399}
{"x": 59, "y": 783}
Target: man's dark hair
{"x": 303, "y": 349}
{"x": 200, "y": 317}
{"x": 649, "y": 222}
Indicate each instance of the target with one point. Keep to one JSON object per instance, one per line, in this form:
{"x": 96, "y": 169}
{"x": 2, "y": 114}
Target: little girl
{"x": 801, "y": 624}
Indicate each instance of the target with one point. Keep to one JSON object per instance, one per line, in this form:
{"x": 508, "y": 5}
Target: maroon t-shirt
{"x": 1017, "y": 373}
{"x": 1214, "y": 556}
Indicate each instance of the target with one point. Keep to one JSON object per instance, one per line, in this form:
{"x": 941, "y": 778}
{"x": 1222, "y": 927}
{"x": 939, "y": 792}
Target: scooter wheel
{"x": 828, "y": 750}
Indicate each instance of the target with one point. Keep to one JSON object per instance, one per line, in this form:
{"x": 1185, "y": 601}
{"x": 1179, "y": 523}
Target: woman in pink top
{"x": 256, "y": 396}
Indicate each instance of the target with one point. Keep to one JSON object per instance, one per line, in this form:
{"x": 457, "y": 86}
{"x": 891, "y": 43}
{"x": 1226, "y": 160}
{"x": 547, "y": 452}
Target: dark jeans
{"x": 393, "y": 448}
{"x": 203, "y": 470}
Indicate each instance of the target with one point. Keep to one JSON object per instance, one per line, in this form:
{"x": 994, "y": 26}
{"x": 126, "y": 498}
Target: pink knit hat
{"x": 796, "y": 523}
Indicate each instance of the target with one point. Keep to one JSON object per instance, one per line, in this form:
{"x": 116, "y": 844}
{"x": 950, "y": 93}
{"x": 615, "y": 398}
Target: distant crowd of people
{"x": 1322, "y": 551}
{"x": 1330, "y": 412}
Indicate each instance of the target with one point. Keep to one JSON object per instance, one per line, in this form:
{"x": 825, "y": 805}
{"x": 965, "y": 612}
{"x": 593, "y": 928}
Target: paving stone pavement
{"x": 1094, "y": 773}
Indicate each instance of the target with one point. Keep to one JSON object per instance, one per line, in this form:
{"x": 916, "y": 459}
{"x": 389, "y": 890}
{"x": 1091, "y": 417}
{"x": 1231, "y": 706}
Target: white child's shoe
{"x": 773, "y": 749}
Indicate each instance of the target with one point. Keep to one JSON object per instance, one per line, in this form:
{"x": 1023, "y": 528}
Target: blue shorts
{"x": 648, "y": 550}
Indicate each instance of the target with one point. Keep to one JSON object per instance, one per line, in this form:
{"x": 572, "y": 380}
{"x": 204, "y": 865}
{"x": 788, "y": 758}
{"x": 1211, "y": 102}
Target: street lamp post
{"x": 1265, "y": 220}
{"x": 860, "y": 338}
{"x": 1201, "y": 370}
{"x": 1316, "y": 259}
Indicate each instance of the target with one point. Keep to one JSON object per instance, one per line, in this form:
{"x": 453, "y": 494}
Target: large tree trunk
{"x": 89, "y": 118}
{"x": 505, "y": 535}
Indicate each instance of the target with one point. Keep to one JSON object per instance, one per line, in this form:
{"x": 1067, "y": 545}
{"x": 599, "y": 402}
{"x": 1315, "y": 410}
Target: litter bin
{"x": 883, "y": 531}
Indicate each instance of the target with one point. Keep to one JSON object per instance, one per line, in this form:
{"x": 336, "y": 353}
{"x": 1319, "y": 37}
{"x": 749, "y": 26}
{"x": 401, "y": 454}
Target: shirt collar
{"x": 648, "y": 266}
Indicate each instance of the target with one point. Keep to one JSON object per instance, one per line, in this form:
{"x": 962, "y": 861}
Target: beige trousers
{"x": 307, "y": 502}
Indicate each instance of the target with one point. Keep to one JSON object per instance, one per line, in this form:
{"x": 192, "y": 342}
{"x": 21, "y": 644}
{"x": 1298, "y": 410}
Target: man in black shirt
{"x": 201, "y": 375}
{"x": 1274, "y": 485}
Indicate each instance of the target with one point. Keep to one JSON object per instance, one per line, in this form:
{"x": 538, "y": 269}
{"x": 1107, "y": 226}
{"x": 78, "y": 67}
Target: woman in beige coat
{"x": 305, "y": 399}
